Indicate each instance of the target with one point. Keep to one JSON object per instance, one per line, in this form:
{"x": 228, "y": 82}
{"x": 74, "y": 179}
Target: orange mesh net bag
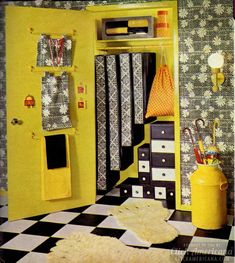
{"x": 161, "y": 98}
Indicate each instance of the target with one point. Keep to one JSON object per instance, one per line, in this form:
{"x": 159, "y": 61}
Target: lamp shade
{"x": 215, "y": 60}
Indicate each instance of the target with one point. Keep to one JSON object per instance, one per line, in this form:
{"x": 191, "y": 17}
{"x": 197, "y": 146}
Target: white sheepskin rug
{"x": 89, "y": 248}
{"x": 146, "y": 218}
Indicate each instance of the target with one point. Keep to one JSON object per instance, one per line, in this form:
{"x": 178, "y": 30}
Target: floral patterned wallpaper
{"x": 205, "y": 27}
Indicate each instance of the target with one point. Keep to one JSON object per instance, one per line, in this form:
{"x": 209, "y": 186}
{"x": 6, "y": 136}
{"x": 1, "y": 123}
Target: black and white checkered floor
{"x": 29, "y": 240}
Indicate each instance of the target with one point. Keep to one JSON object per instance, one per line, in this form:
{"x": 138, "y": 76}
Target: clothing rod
{"x": 135, "y": 47}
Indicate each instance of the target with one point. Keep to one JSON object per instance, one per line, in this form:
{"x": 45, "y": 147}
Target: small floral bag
{"x": 55, "y": 52}
{"x": 55, "y": 102}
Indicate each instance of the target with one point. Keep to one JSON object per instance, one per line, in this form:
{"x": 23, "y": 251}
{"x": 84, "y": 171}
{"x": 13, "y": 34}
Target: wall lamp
{"x": 216, "y": 61}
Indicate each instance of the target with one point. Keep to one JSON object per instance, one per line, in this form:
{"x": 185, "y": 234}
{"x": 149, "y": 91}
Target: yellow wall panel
{"x": 24, "y": 141}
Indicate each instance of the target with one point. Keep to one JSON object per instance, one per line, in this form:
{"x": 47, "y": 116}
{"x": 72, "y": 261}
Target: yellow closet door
{"x": 33, "y": 186}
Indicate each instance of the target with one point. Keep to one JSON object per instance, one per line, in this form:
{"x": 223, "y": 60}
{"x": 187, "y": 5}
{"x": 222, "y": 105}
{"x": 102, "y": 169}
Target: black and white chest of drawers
{"x": 156, "y": 167}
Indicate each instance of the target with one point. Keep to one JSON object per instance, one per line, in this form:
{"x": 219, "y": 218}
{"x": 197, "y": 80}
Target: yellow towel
{"x": 138, "y": 23}
{"x": 117, "y": 30}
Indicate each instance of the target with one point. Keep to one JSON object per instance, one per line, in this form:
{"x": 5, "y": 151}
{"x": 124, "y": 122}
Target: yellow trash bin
{"x": 208, "y": 197}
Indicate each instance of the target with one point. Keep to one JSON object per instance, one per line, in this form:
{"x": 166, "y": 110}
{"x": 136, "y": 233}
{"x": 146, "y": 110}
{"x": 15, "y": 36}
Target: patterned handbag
{"x": 54, "y": 52}
{"x": 55, "y": 102}
{"x": 161, "y": 98}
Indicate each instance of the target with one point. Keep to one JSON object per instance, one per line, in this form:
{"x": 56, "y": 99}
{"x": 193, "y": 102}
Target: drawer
{"x": 137, "y": 191}
{"x": 144, "y": 166}
{"x": 143, "y": 152}
{"x": 162, "y": 146}
{"x": 144, "y": 178}
{"x": 162, "y": 174}
{"x": 148, "y": 192}
{"x": 160, "y": 192}
{"x": 162, "y": 130}
{"x": 163, "y": 160}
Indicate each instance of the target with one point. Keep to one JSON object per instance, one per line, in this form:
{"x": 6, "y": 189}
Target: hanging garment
{"x": 143, "y": 65}
{"x": 55, "y": 102}
{"x": 56, "y": 52}
{"x": 126, "y": 100}
{"x": 114, "y": 113}
{"x": 105, "y": 178}
{"x": 161, "y": 98}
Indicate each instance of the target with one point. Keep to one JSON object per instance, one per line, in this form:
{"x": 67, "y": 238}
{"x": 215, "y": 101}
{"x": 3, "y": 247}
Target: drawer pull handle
{"x": 143, "y": 154}
{"x": 163, "y": 160}
{"x": 160, "y": 193}
{"x": 148, "y": 192}
{"x": 163, "y": 174}
{"x": 162, "y": 132}
{"x": 143, "y": 179}
{"x": 163, "y": 146}
{"x": 171, "y": 193}
{"x": 136, "y": 192}
{"x": 143, "y": 166}
{"x": 125, "y": 191}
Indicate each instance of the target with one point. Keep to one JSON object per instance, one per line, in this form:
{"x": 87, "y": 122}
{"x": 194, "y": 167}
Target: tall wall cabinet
{"x": 34, "y": 188}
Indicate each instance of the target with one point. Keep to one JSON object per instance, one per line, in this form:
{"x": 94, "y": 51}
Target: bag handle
{"x": 163, "y": 56}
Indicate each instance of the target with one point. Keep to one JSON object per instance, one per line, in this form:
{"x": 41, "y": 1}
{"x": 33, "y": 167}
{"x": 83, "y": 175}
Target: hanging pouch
{"x": 55, "y": 52}
{"x": 161, "y": 98}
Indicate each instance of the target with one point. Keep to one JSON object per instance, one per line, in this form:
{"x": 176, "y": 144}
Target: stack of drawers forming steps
{"x": 156, "y": 166}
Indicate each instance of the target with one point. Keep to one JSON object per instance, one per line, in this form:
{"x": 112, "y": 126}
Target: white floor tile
{"x": 208, "y": 245}
{"x": 114, "y": 192}
{"x": 229, "y": 260}
{"x": 3, "y": 200}
{"x": 25, "y": 242}
{"x": 34, "y": 257}
{"x": 130, "y": 238}
{"x": 60, "y": 217}
{"x": 184, "y": 228}
{"x": 232, "y": 234}
{"x": 98, "y": 197}
{"x": 98, "y": 209}
{"x": 4, "y": 211}
{"x": 17, "y": 226}
{"x": 70, "y": 229}
{"x": 110, "y": 222}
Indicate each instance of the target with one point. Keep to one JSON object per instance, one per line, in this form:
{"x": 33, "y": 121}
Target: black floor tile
{"x": 111, "y": 200}
{"x": 179, "y": 243}
{"x": 2, "y": 220}
{"x": 181, "y": 216}
{"x": 11, "y": 256}
{"x": 5, "y": 237}
{"x": 108, "y": 232}
{"x": 77, "y": 209}
{"x": 87, "y": 220}
{"x": 37, "y": 218}
{"x": 43, "y": 229}
{"x": 196, "y": 257}
{"x": 230, "y": 249}
{"x": 47, "y": 245}
{"x": 222, "y": 233}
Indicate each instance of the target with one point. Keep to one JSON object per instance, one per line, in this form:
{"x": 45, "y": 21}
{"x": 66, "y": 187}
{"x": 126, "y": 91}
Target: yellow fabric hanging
{"x": 161, "y": 98}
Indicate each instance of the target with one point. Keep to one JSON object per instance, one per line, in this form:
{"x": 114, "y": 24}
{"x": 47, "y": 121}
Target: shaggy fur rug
{"x": 90, "y": 248}
{"x": 146, "y": 218}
